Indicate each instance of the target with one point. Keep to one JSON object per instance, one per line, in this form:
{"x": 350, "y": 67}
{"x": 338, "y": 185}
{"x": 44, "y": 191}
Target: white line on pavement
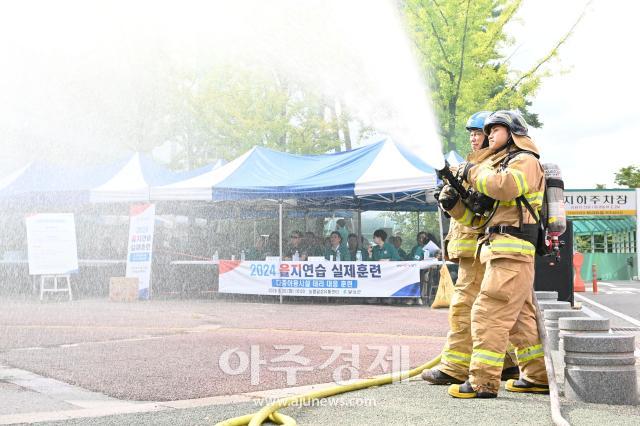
{"x": 611, "y": 311}
{"x": 590, "y": 313}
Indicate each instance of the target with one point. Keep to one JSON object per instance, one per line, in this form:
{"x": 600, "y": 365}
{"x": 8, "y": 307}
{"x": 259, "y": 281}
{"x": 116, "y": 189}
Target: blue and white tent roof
{"x": 42, "y": 183}
{"x": 128, "y": 180}
{"x": 8, "y": 180}
{"x": 383, "y": 175}
{"x": 453, "y": 158}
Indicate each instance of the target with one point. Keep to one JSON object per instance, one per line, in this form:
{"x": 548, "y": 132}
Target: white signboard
{"x": 603, "y": 202}
{"x": 140, "y": 246}
{"x": 51, "y": 244}
{"x": 342, "y": 279}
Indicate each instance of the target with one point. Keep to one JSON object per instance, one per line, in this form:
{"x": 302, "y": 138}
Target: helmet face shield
{"x": 512, "y": 120}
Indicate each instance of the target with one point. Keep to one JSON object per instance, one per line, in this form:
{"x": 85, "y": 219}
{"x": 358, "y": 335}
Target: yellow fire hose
{"x": 270, "y": 411}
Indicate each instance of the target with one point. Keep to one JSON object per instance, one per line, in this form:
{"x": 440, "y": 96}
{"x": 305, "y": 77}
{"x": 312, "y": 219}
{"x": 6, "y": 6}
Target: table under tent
{"x": 99, "y": 197}
{"x": 382, "y": 176}
{"x": 379, "y": 176}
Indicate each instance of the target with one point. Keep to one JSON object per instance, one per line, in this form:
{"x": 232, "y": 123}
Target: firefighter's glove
{"x": 436, "y": 193}
{"x": 447, "y": 197}
{"x": 463, "y": 171}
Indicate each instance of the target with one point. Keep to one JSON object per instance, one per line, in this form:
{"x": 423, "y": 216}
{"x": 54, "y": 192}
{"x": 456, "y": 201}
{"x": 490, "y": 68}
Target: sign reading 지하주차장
{"x": 600, "y": 202}
{"x": 141, "y": 227}
{"x": 51, "y": 244}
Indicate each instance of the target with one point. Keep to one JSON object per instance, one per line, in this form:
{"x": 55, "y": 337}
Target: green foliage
{"x": 629, "y": 176}
{"x": 461, "y": 45}
{"x": 234, "y": 108}
{"x": 408, "y": 224}
{"x": 583, "y": 243}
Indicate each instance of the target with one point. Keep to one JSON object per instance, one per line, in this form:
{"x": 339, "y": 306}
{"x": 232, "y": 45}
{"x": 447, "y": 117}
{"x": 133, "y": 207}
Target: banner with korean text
{"x": 336, "y": 279}
{"x": 600, "y": 202}
{"x": 142, "y": 221}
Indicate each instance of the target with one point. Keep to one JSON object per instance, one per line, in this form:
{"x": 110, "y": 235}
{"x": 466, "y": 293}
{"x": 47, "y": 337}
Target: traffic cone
{"x": 578, "y": 284}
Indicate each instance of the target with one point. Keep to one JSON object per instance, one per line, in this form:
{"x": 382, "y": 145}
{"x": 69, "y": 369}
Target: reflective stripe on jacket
{"x": 462, "y": 241}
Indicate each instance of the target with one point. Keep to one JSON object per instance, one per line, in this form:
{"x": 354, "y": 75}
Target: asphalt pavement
{"x": 180, "y": 362}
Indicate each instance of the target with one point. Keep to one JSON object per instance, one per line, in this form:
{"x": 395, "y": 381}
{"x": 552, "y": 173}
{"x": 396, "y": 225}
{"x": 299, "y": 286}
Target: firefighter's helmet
{"x": 513, "y": 120}
{"x": 476, "y": 121}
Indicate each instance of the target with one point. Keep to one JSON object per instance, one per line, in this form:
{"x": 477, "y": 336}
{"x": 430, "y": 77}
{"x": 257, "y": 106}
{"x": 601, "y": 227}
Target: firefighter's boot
{"x": 510, "y": 373}
{"x": 465, "y": 391}
{"x": 437, "y": 377}
{"x": 524, "y": 386}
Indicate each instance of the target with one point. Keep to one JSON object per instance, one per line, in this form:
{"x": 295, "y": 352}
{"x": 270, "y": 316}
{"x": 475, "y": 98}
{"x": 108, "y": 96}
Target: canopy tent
{"x": 43, "y": 184}
{"x": 131, "y": 180}
{"x": 7, "y": 181}
{"x": 379, "y": 176}
{"x": 453, "y": 158}
{"x": 127, "y": 180}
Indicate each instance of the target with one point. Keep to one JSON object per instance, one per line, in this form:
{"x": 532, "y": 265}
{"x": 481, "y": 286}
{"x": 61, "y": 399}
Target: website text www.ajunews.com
{"x": 323, "y": 402}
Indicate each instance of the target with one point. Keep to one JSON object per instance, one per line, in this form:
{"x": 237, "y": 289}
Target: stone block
{"x": 580, "y": 326}
{"x": 556, "y": 314}
{"x": 546, "y": 295}
{"x": 549, "y": 304}
{"x": 600, "y": 368}
{"x": 584, "y": 324}
{"x": 551, "y": 317}
{"x": 602, "y": 343}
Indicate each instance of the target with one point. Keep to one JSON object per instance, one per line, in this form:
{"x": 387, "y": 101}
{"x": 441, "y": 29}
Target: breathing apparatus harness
{"x": 550, "y": 220}
{"x": 542, "y": 234}
{"x": 528, "y": 232}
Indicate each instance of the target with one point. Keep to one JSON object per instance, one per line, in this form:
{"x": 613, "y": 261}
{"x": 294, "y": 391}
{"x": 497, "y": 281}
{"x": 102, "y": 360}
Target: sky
{"x": 73, "y": 73}
{"x": 590, "y": 105}
{"x": 88, "y": 76}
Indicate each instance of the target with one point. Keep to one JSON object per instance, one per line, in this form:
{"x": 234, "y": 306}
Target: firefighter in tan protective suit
{"x": 460, "y": 247}
{"x": 504, "y": 311}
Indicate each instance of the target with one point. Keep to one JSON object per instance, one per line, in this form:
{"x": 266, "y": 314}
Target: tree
{"x": 409, "y": 223}
{"x": 460, "y": 44}
{"x": 629, "y": 176}
{"x": 234, "y": 108}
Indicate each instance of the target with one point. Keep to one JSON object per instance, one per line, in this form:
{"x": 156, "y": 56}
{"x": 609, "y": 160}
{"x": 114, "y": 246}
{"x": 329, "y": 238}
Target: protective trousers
{"x": 456, "y": 355}
{"x": 503, "y": 312}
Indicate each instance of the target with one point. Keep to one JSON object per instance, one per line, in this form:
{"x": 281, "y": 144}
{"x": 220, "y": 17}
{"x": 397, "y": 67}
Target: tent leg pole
{"x": 441, "y": 235}
{"x": 280, "y": 228}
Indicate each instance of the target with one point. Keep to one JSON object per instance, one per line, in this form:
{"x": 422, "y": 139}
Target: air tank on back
{"x": 555, "y": 214}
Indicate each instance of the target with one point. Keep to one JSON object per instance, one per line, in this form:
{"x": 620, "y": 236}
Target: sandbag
{"x": 445, "y": 289}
